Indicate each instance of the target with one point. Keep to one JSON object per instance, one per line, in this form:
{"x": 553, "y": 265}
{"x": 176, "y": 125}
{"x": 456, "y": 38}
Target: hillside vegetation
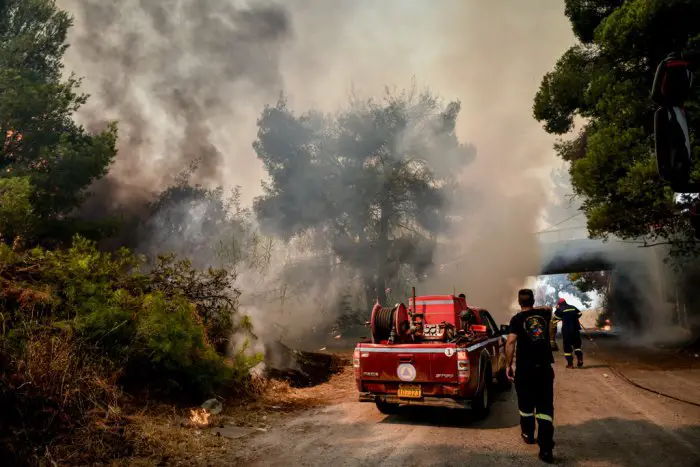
{"x": 80, "y": 327}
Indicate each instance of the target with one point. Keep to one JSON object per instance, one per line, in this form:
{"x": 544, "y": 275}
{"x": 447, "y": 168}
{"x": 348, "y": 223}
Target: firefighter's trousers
{"x": 535, "y": 388}
{"x": 572, "y": 345}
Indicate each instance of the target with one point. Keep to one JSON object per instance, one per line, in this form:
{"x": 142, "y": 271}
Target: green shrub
{"x": 16, "y": 212}
{"x": 163, "y": 326}
{"x": 79, "y": 326}
{"x": 211, "y": 291}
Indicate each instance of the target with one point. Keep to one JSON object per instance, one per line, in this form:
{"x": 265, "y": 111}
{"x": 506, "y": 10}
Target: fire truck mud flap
{"x": 445, "y": 402}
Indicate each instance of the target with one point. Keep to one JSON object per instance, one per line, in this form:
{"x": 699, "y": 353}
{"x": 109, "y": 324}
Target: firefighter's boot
{"x": 569, "y": 361}
{"x": 546, "y": 456}
{"x": 579, "y": 357}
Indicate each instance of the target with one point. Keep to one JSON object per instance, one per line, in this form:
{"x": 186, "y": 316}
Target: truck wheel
{"x": 481, "y": 405}
{"x": 502, "y": 380}
{"x": 387, "y": 408}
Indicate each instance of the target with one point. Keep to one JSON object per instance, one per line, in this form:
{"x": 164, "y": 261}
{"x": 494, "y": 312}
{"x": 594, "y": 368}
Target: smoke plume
{"x": 187, "y": 79}
{"x": 496, "y": 71}
{"x": 183, "y": 78}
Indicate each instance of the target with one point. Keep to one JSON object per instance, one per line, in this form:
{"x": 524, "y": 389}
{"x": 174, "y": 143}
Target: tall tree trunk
{"x": 379, "y": 285}
{"x": 367, "y": 273}
{"x": 382, "y": 253}
{"x": 370, "y": 296}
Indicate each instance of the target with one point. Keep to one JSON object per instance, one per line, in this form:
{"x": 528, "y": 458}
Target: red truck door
{"x": 496, "y": 346}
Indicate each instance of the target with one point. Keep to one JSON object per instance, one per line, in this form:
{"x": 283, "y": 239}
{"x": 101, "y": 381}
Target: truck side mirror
{"x": 504, "y": 329}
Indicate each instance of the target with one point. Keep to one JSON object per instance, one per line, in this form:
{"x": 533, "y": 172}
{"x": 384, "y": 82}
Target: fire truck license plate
{"x": 411, "y": 391}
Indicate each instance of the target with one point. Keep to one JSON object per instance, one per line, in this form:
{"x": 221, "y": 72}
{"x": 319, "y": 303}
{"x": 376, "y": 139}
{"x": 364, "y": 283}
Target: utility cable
{"x": 548, "y": 229}
{"x": 653, "y": 391}
{"x": 634, "y": 383}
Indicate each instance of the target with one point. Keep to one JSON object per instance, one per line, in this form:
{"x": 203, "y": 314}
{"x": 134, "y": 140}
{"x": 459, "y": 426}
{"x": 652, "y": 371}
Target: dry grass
{"x": 59, "y": 404}
{"x": 164, "y": 435}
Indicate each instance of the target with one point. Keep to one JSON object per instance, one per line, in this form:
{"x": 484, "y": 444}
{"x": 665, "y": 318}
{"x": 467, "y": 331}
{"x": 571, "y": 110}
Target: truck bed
{"x": 426, "y": 370}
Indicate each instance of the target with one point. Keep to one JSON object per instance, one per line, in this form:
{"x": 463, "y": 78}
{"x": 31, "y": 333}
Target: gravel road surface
{"x": 600, "y": 420}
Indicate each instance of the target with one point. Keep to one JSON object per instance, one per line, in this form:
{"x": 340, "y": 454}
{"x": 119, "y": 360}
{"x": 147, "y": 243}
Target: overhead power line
{"x": 549, "y": 229}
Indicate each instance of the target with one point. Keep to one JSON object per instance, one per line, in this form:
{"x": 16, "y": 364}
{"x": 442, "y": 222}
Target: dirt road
{"x": 600, "y": 420}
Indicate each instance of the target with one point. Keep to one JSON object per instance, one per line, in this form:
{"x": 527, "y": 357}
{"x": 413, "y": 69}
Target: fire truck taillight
{"x": 462, "y": 365}
{"x": 356, "y": 368}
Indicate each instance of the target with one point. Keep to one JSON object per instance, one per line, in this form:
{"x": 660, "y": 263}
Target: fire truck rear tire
{"x": 387, "y": 408}
{"x": 481, "y": 404}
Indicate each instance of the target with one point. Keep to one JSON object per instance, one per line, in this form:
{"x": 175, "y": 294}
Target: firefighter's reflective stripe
{"x": 567, "y": 355}
{"x": 546, "y": 417}
{"x": 570, "y": 309}
{"x": 576, "y": 350}
{"x": 523, "y": 414}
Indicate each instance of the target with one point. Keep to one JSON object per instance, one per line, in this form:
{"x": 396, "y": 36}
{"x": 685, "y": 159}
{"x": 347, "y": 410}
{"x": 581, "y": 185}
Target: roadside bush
{"x": 210, "y": 291}
{"x": 173, "y": 316}
{"x": 58, "y": 401}
{"x": 78, "y": 324}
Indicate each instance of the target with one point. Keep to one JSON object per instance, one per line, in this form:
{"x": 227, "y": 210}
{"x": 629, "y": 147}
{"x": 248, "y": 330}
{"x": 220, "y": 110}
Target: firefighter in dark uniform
{"x": 571, "y": 332}
{"x": 534, "y": 376}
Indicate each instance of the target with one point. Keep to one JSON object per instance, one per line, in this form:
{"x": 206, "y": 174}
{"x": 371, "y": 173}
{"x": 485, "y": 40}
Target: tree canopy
{"x": 553, "y": 287}
{"x": 374, "y": 179}
{"x": 605, "y": 81}
{"x": 57, "y": 158}
{"x": 597, "y": 282}
{"x": 587, "y": 282}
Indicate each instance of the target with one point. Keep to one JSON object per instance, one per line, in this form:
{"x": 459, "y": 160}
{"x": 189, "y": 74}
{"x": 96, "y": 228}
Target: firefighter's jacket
{"x": 569, "y": 316}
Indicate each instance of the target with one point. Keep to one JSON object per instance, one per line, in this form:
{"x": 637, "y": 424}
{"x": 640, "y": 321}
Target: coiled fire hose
{"x": 383, "y": 322}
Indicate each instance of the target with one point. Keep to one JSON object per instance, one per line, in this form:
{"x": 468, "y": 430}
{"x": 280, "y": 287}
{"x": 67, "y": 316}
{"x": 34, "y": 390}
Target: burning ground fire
{"x": 200, "y": 417}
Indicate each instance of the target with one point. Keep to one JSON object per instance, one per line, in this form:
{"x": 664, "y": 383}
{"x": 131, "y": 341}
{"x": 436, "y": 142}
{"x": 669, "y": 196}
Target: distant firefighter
{"x": 570, "y": 317}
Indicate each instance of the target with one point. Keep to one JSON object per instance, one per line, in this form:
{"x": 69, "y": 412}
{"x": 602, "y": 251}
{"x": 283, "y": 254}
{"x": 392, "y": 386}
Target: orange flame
{"x": 200, "y": 417}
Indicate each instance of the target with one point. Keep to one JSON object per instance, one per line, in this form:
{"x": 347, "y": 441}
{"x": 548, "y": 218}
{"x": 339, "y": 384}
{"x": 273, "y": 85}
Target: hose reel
{"x": 386, "y": 323}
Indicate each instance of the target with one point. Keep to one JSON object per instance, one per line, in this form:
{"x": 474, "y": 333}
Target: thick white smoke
{"x": 187, "y": 79}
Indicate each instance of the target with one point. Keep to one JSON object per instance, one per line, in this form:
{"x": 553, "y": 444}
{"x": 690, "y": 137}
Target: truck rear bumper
{"x": 446, "y": 402}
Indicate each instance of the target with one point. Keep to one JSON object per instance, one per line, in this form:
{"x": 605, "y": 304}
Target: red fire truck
{"x": 438, "y": 351}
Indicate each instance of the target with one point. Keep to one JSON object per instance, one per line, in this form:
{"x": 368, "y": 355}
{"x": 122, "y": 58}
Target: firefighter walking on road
{"x": 570, "y": 317}
{"x": 534, "y": 375}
